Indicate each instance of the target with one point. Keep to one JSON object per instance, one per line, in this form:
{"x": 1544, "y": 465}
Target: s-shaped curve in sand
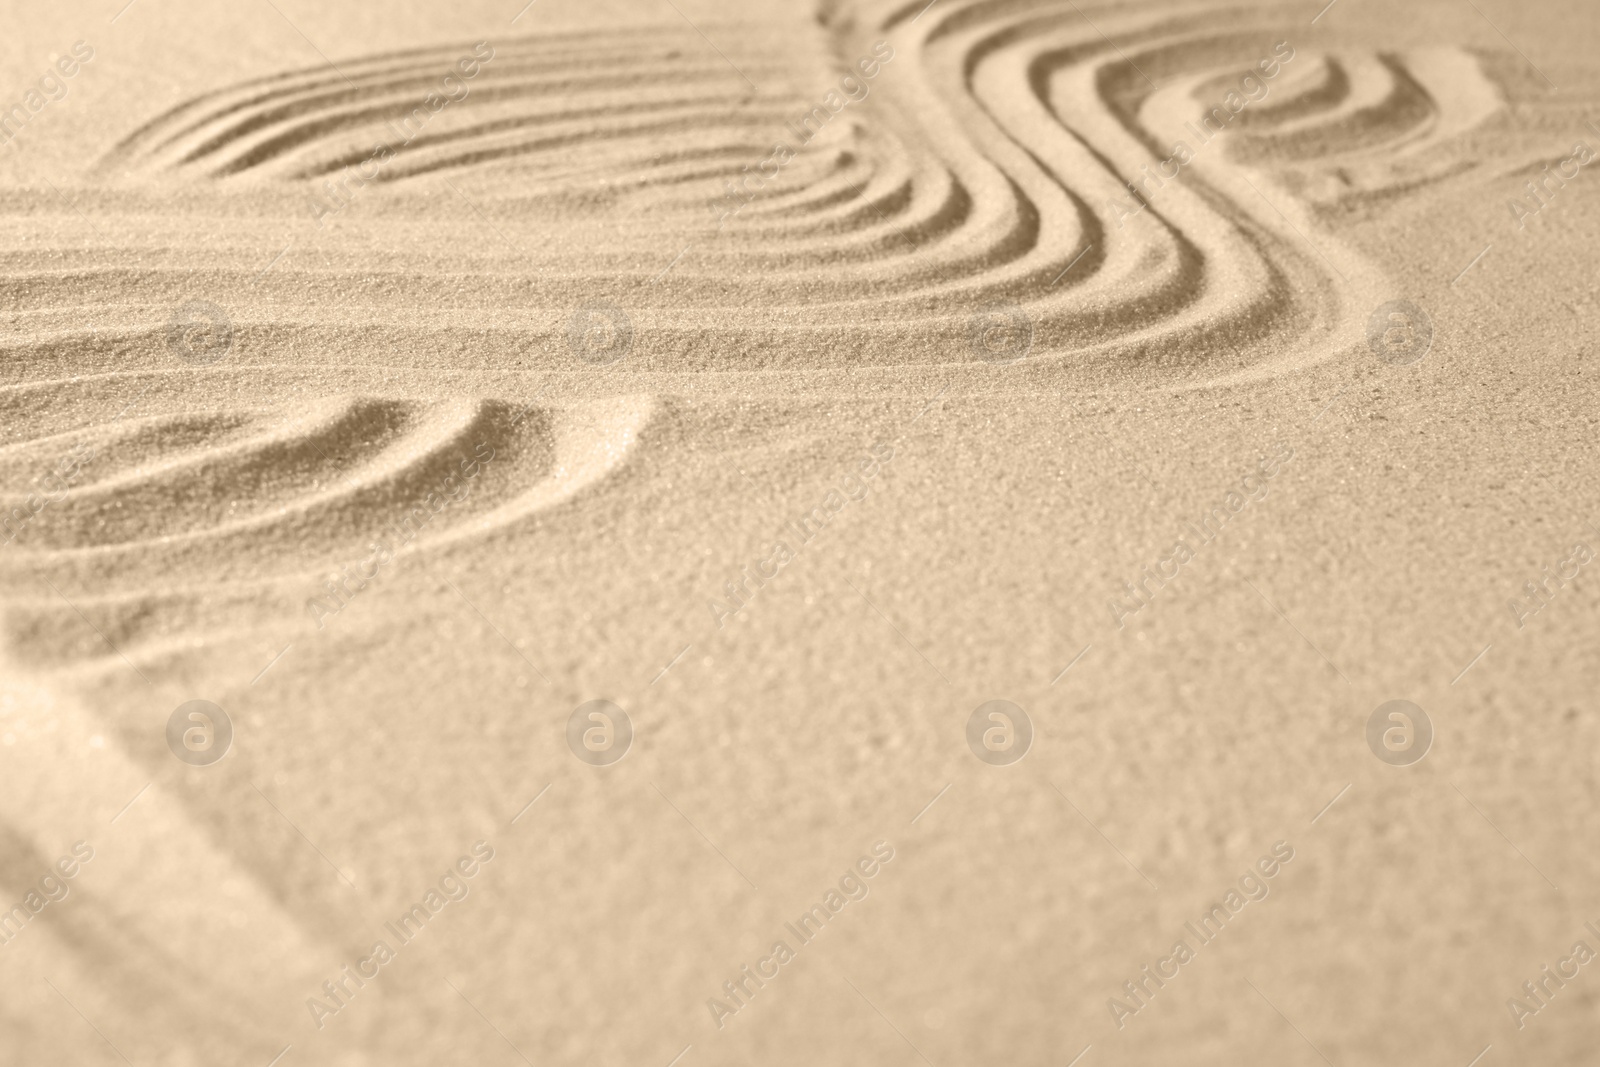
{"x": 989, "y": 163}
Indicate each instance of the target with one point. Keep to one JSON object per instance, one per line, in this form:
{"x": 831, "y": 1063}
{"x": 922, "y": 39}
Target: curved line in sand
{"x": 368, "y": 461}
{"x": 993, "y": 167}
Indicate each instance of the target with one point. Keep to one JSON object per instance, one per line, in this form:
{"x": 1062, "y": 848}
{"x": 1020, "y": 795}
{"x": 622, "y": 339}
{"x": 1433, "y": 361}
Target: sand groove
{"x": 995, "y": 147}
{"x": 278, "y": 496}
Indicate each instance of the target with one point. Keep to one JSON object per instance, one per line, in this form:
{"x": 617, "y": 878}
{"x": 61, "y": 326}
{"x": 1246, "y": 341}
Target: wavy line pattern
{"x": 987, "y": 165}
{"x": 991, "y": 153}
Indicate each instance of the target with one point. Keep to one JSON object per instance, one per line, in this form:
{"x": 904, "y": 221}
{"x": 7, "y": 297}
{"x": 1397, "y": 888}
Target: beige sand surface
{"x": 799, "y": 377}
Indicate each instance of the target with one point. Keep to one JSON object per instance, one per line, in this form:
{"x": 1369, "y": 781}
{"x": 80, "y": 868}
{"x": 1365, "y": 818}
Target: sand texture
{"x": 671, "y": 533}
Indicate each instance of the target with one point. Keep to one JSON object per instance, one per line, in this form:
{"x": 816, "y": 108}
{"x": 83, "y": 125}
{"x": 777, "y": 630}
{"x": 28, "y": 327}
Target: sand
{"x": 597, "y": 467}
